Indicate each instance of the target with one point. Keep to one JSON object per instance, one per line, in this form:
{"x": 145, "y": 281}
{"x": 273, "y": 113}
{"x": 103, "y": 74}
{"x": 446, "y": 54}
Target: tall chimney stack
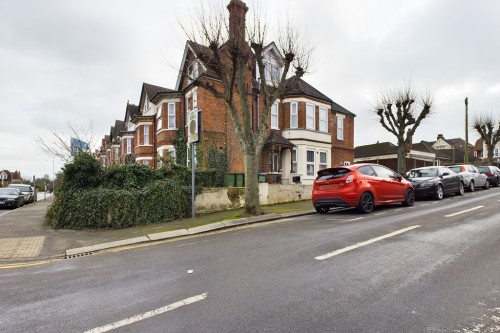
{"x": 237, "y": 12}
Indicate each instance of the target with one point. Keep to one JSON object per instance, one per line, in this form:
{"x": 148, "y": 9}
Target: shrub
{"x": 85, "y": 171}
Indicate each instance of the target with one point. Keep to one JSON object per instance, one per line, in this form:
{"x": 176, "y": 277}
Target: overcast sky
{"x": 80, "y": 61}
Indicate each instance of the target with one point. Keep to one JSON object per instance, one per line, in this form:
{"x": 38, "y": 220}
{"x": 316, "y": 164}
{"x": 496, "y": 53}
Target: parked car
{"x": 11, "y": 197}
{"x": 26, "y": 191}
{"x": 360, "y": 185}
{"x": 493, "y": 174}
{"x": 471, "y": 176}
{"x": 435, "y": 181}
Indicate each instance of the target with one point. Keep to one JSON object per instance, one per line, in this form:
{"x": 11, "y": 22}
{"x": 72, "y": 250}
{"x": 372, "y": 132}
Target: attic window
{"x": 193, "y": 72}
{"x": 272, "y": 72}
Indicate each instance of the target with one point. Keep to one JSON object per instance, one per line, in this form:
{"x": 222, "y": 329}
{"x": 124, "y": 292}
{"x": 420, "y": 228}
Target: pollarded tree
{"x": 237, "y": 55}
{"x": 485, "y": 126}
{"x": 400, "y": 112}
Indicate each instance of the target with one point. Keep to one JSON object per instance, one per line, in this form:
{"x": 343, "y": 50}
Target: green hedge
{"x": 104, "y": 208}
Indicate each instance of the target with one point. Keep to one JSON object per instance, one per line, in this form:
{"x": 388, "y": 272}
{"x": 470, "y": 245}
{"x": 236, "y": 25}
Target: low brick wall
{"x": 218, "y": 199}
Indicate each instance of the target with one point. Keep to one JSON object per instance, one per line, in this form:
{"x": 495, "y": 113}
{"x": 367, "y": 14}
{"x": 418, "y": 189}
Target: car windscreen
{"x": 457, "y": 169}
{"x": 417, "y": 173}
{"x": 484, "y": 169}
{"x": 332, "y": 173}
{"x": 21, "y": 188}
{"x": 8, "y": 191}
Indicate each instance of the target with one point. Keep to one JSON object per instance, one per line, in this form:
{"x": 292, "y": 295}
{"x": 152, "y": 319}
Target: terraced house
{"x": 308, "y": 131}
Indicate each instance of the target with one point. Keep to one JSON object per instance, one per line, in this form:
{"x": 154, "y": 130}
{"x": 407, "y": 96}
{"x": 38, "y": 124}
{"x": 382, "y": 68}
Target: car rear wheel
{"x": 497, "y": 183}
{"x": 439, "y": 192}
{"x": 471, "y": 186}
{"x": 409, "y": 198}
{"x": 322, "y": 210}
{"x": 366, "y": 203}
{"x": 461, "y": 189}
{"x": 487, "y": 184}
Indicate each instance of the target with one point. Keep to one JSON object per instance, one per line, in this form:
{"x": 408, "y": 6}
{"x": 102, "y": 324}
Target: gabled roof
{"x": 300, "y": 87}
{"x": 152, "y": 90}
{"x": 479, "y": 145}
{"x": 296, "y": 87}
{"x": 376, "y": 149}
{"x": 131, "y": 111}
{"x": 275, "y": 138}
{"x": 204, "y": 56}
{"x": 119, "y": 126}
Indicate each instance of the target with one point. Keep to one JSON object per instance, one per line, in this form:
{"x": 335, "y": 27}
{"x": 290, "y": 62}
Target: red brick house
{"x": 308, "y": 131}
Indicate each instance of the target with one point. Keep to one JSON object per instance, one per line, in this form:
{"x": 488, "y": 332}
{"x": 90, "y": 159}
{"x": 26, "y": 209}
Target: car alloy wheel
{"x": 471, "y": 186}
{"x": 439, "y": 192}
{"x": 366, "y": 203}
{"x": 461, "y": 189}
{"x": 487, "y": 184}
{"x": 409, "y": 198}
{"x": 322, "y": 210}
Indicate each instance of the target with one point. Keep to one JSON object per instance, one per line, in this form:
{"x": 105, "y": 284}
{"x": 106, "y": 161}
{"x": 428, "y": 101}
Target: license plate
{"x": 2, "y": 202}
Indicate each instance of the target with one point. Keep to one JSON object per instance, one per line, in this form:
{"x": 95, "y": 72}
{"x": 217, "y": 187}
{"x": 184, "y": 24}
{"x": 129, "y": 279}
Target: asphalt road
{"x": 434, "y": 267}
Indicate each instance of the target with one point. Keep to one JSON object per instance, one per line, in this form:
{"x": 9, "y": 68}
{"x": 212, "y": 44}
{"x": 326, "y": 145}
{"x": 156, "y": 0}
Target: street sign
{"x": 3, "y": 175}
{"x": 193, "y": 126}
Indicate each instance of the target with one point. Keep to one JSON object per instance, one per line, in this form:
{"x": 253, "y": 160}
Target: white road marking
{"x": 435, "y": 202}
{"x": 379, "y": 213}
{"x": 373, "y": 240}
{"x": 357, "y": 218}
{"x": 397, "y": 210}
{"x": 464, "y": 211}
{"x": 148, "y": 314}
{"x": 424, "y": 205}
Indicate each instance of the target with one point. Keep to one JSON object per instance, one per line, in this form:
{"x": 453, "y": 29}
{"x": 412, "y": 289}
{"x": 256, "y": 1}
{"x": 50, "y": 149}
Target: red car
{"x": 360, "y": 185}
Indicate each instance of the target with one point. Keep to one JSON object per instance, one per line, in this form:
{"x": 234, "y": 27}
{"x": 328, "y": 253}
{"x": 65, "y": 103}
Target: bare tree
{"x": 485, "y": 126}
{"x": 57, "y": 144}
{"x": 400, "y": 112}
{"x": 236, "y": 57}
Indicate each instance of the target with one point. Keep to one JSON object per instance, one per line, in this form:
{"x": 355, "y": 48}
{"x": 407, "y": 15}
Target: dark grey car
{"x": 435, "y": 181}
{"x": 493, "y": 174}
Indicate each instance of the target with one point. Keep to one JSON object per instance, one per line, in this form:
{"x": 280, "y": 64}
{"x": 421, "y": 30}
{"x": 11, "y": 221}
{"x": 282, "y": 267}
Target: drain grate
{"x": 78, "y": 255}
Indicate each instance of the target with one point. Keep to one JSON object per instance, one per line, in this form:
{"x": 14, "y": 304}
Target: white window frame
{"x": 129, "y": 146}
{"x": 116, "y": 154}
{"x": 276, "y": 161}
{"x": 294, "y": 115}
{"x": 146, "y": 135}
{"x": 294, "y": 161}
{"x": 272, "y": 72}
{"x": 147, "y": 105}
{"x": 311, "y": 163}
{"x": 323, "y": 119}
{"x": 325, "y": 164}
{"x": 146, "y": 162}
{"x": 274, "y": 116}
{"x": 310, "y": 116}
{"x": 340, "y": 128}
{"x": 159, "y": 117}
{"x": 495, "y": 152}
{"x": 171, "y": 116}
{"x": 193, "y": 71}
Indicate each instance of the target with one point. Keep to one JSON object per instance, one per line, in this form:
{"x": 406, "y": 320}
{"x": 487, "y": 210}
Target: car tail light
{"x": 349, "y": 179}
{"x": 489, "y": 174}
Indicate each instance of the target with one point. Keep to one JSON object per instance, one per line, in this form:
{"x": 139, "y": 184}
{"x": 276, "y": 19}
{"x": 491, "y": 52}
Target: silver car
{"x": 471, "y": 176}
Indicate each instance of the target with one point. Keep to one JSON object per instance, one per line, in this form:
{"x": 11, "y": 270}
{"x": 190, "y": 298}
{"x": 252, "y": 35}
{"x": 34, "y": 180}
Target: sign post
{"x": 3, "y": 176}
{"x": 193, "y": 137}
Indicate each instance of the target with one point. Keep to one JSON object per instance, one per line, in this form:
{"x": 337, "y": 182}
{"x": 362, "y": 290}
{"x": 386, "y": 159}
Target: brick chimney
{"x": 237, "y": 12}
{"x": 440, "y": 136}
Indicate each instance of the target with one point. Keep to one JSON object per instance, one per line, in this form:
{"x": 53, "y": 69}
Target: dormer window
{"x": 193, "y": 71}
{"x": 272, "y": 72}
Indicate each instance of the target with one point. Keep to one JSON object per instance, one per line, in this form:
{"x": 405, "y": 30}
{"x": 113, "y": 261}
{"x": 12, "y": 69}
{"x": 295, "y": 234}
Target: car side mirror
{"x": 446, "y": 173}
{"x": 399, "y": 177}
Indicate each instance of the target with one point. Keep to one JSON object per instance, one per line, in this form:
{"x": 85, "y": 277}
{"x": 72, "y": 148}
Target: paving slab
{"x": 22, "y": 247}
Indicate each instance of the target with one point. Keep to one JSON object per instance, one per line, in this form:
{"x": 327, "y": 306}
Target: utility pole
{"x": 466, "y": 130}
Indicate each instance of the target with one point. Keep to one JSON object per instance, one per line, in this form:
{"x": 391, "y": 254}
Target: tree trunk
{"x": 252, "y": 202}
{"x": 490, "y": 154}
{"x": 402, "y": 158}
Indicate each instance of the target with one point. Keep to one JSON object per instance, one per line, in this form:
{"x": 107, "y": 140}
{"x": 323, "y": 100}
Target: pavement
{"x": 23, "y": 236}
